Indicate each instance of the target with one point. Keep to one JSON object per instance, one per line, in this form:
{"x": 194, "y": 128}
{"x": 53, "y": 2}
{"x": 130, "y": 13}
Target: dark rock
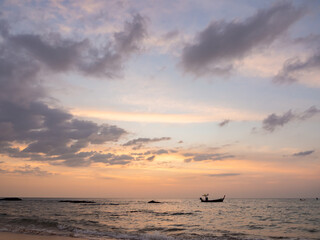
{"x": 152, "y": 201}
{"x": 11, "y": 199}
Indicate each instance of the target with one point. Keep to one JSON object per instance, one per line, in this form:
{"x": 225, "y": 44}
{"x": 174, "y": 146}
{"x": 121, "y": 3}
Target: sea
{"x": 136, "y": 219}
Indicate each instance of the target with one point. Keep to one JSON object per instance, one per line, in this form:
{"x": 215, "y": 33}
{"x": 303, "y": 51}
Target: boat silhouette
{"x": 212, "y": 200}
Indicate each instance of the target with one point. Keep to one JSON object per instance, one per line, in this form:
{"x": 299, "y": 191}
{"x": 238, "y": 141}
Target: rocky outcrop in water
{"x": 10, "y": 199}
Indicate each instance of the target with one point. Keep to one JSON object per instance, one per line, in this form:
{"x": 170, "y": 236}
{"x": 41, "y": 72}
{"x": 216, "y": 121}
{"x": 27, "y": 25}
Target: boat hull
{"x": 213, "y": 200}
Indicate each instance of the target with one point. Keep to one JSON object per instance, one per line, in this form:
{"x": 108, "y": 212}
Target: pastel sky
{"x": 159, "y": 99}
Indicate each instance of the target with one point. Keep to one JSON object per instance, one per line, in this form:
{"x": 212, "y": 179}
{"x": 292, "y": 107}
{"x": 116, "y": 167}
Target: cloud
{"x": 302, "y": 154}
{"x": 151, "y": 158}
{"x": 60, "y": 55}
{"x": 309, "y": 113}
{"x": 197, "y": 157}
{"x": 294, "y": 68}
{"x": 220, "y": 44}
{"x": 112, "y": 159}
{"x": 71, "y": 55}
{"x": 161, "y": 151}
{"x": 139, "y": 142}
{"x": 45, "y": 132}
{"x": 28, "y": 170}
{"x": 128, "y": 41}
{"x": 224, "y": 123}
{"x": 110, "y": 61}
{"x": 304, "y": 70}
{"x": 274, "y": 121}
{"x": 49, "y": 132}
{"x": 223, "y": 174}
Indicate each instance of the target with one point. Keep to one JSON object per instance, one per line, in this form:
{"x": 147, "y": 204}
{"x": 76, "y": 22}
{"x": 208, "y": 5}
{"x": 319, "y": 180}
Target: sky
{"x": 159, "y": 99}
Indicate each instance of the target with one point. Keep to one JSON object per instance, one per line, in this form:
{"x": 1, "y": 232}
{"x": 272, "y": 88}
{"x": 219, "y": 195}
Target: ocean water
{"x": 171, "y": 219}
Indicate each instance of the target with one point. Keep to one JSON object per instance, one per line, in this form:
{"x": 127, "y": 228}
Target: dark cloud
{"x": 147, "y": 153}
{"x": 197, "y": 157}
{"x": 109, "y": 61}
{"x": 59, "y": 55}
{"x": 128, "y": 41}
{"x": 19, "y": 82}
{"x": 294, "y": 66}
{"x": 161, "y": 151}
{"x": 139, "y": 142}
{"x": 221, "y": 43}
{"x": 274, "y": 121}
{"x": 49, "y": 133}
{"x": 224, "y": 123}
{"x": 150, "y": 155}
{"x": 223, "y": 174}
{"x": 151, "y": 158}
{"x": 302, "y": 154}
{"x": 70, "y": 55}
{"x": 79, "y": 159}
{"x": 112, "y": 159}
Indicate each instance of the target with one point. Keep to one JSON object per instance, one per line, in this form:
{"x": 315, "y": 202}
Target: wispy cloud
{"x": 28, "y": 170}
{"x": 293, "y": 68}
{"x": 111, "y": 159}
{"x": 302, "y": 154}
{"x": 274, "y": 121}
{"x": 197, "y": 157}
{"x": 139, "y": 142}
{"x": 223, "y": 174}
{"x": 302, "y": 69}
{"x": 224, "y": 123}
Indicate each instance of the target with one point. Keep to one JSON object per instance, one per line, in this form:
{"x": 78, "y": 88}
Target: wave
{"x": 35, "y": 222}
{"x": 181, "y": 213}
{"x": 88, "y": 234}
{"x": 156, "y": 236}
{"x": 161, "y": 213}
{"x": 174, "y": 229}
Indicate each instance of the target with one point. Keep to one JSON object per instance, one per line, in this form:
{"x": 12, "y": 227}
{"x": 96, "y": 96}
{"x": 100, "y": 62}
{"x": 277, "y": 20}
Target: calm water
{"x": 171, "y": 219}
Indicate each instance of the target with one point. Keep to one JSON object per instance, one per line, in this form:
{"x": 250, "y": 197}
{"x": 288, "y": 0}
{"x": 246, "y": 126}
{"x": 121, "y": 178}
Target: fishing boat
{"x": 212, "y": 200}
